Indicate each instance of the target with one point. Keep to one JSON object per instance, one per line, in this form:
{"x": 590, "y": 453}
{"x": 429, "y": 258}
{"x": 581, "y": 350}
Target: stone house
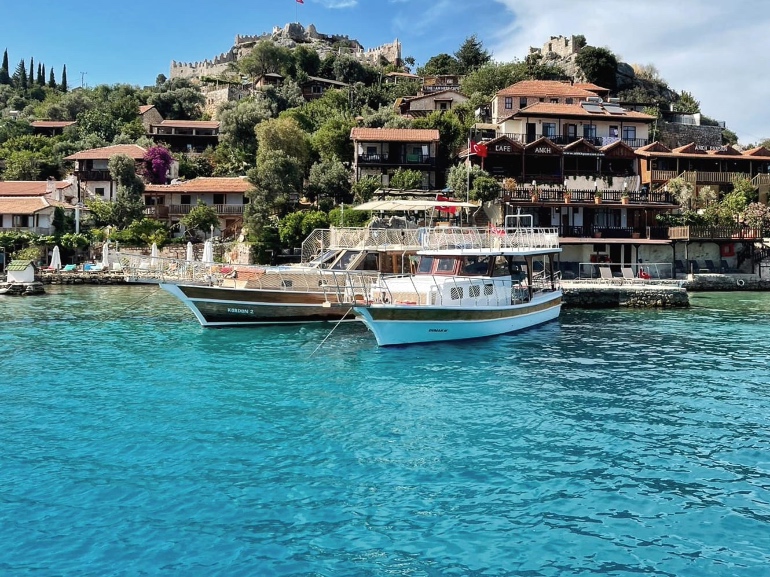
{"x": 510, "y": 100}
{"x": 92, "y": 171}
{"x": 423, "y": 105}
{"x": 380, "y": 152}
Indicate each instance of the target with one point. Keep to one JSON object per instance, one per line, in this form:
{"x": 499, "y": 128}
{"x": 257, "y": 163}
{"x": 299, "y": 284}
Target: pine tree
{"x": 5, "y": 77}
{"x": 31, "y": 77}
{"x": 63, "y": 85}
{"x": 20, "y": 76}
{"x": 52, "y": 80}
{"x": 41, "y": 75}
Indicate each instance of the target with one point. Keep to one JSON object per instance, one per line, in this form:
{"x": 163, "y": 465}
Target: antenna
{"x": 82, "y": 82}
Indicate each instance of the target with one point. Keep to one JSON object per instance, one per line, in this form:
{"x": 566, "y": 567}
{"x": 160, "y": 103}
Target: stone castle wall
{"x": 290, "y": 36}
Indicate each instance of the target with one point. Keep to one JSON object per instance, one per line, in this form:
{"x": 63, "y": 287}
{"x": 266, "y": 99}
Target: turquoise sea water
{"x": 135, "y": 442}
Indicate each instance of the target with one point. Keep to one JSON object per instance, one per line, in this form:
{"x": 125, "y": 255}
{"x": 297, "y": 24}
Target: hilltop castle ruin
{"x": 290, "y": 36}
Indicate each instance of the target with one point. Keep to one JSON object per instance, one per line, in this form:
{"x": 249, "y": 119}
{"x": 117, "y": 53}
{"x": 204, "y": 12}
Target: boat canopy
{"x": 407, "y": 205}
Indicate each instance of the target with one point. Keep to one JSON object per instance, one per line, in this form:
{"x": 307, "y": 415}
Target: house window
{"x": 523, "y": 102}
{"x": 443, "y": 106}
{"x": 554, "y": 101}
{"x": 316, "y": 89}
{"x": 571, "y": 130}
{"x": 185, "y": 199}
{"x": 20, "y": 221}
{"x": 568, "y": 101}
{"x": 219, "y": 199}
{"x": 508, "y": 102}
{"x": 549, "y": 129}
{"x": 541, "y": 99}
{"x": 99, "y": 191}
{"x": 629, "y": 133}
{"x": 589, "y": 131}
{"x": 371, "y": 150}
{"x": 613, "y": 131}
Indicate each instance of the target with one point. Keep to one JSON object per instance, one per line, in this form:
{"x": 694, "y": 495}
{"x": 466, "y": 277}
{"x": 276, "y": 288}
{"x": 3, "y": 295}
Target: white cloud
{"x": 711, "y": 48}
{"x": 338, "y": 3}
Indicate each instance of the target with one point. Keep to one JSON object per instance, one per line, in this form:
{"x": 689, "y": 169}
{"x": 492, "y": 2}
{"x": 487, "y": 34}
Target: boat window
{"x": 369, "y": 262}
{"x": 343, "y": 262}
{"x": 474, "y": 290}
{"x": 323, "y": 258}
{"x": 500, "y": 267}
{"x": 456, "y": 293}
{"x": 475, "y": 265}
{"x": 426, "y": 265}
{"x": 445, "y": 265}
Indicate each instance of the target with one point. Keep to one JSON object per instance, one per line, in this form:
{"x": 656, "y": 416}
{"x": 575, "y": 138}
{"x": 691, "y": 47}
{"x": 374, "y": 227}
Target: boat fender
{"x": 740, "y": 282}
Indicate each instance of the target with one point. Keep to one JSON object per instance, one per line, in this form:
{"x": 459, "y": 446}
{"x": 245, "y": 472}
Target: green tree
{"x": 306, "y": 60}
{"x": 439, "y": 64}
{"x": 471, "y": 55}
{"x": 5, "y": 77}
{"x": 297, "y": 226}
{"x": 282, "y": 134}
{"x": 687, "y": 104}
{"x": 490, "y": 78}
{"x": 364, "y": 188}
{"x": 128, "y": 205}
{"x": 406, "y": 179}
{"x": 265, "y": 57}
{"x": 276, "y": 179}
{"x": 237, "y": 123}
{"x": 459, "y": 176}
{"x": 41, "y": 74}
{"x": 332, "y": 139}
{"x": 51, "y": 80}
{"x": 20, "y": 76}
{"x": 200, "y": 219}
{"x": 485, "y": 189}
{"x": 599, "y": 66}
{"x": 178, "y": 99}
{"x": 329, "y": 179}
{"x": 343, "y": 216}
{"x": 348, "y": 69}
{"x": 451, "y": 131}
{"x": 63, "y": 85}
{"x": 31, "y": 75}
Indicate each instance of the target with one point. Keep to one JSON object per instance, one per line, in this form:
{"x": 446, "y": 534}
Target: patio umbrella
{"x": 208, "y": 252}
{"x": 55, "y": 258}
{"x": 154, "y": 255}
{"x": 189, "y": 257}
{"x": 105, "y": 255}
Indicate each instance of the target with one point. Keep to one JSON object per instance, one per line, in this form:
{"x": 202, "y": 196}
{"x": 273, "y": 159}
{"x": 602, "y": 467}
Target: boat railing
{"x": 526, "y": 238}
{"x": 366, "y": 237}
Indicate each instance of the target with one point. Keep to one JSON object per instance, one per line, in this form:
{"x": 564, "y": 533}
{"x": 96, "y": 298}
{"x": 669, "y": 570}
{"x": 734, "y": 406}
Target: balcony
{"x": 396, "y": 159}
{"x": 714, "y": 233}
{"x": 612, "y": 197}
{"x": 32, "y": 229}
{"x": 707, "y": 177}
{"x": 221, "y": 209}
{"x": 94, "y": 175}
{"x": 157, "y": 211}
{"x": 562, "y": 140}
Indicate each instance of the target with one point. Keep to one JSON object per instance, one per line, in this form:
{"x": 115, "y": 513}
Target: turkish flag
{"x": 300, "y": 1}
{"x": 478, "y": 149}
{"x": 449, "y": 209}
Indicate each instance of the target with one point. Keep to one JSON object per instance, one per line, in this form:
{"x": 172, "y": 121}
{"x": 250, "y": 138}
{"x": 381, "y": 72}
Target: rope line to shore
{"x": 331, "y": 331}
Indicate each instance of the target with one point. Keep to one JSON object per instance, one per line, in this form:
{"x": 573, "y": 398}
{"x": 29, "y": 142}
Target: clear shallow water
{"x": 134, "y": 442}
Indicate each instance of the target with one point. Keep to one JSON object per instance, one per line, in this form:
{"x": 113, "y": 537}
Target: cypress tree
{"x": 31, "y": 77}
{"x": 51, "y": 80}
{"x": 5, "y": 77}
{"x": 20, "y": 76}
{"x": 63, "y": 85}
{"x": 41, "y": 75}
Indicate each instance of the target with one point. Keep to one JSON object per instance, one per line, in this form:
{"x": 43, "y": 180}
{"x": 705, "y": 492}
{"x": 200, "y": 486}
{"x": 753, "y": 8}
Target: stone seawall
{"x": 594, "y": 295}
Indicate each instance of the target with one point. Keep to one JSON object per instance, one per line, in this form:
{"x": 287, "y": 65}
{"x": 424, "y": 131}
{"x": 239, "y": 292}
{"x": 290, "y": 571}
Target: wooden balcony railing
{"x": 222, "y": 209}
{"x": 713, "y": 233}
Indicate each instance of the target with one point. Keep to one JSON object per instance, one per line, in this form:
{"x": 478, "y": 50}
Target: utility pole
{"x": 82, "y": 81}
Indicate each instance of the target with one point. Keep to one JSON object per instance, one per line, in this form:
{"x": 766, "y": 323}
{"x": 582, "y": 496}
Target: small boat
{"x": 469, "y": 283}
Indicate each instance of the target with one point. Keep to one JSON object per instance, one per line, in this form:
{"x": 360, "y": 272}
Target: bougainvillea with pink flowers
{"x": 157, "y": 161}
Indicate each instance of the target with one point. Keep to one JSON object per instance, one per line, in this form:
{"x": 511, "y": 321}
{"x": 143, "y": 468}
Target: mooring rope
{"x": 331, "y": 331}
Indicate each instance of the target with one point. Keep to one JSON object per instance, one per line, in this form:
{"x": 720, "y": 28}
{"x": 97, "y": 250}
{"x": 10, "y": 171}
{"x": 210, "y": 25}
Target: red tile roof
{"x": 189, "y": 123}
{"x": 591, "y": 87}
{"x": 131, "y": 150}
{"x": 690, "y": 151}
{"x": 27, "y": 205}
{"x": 52, "y": 123}
{"x": 28, "y": 187}
{"x": 145, "y": 108}
{"x": 394, "y": 134}
{"x": 544, "y": 89}
{"x": 203, "y": 185}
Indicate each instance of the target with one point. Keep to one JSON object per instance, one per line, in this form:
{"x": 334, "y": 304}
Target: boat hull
{"x": 222, "y": 307}
{"x": 399, "y": 325}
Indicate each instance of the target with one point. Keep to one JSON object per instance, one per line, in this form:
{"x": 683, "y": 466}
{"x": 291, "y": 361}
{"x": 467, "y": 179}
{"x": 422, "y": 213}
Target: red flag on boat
{"x": 449, "y": 209}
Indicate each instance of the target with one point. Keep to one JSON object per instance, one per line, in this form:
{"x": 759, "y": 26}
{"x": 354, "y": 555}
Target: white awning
{"x": 404, "y": 205}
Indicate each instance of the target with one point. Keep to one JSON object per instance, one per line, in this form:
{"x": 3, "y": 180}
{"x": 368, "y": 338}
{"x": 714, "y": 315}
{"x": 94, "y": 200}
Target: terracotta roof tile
{"x": 591, "y": 87}
{"x": 189, "y": 123}
{"x": 28, "y": 187}
{"x": 23, "y": 205}
{"x": 131, "y": 150}
{"x": 544, "y": 89}
{"x": 202, "y": 185}
{"x": 144, "y": 108}
{"x": 394, "y": 134}
{"x": 52, "y": 123}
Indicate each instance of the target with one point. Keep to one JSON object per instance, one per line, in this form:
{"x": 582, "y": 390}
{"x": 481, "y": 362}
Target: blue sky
{"x": 710, "y": 48}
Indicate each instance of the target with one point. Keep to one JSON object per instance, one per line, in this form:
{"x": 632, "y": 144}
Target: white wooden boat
{"x": 469, "y": 283}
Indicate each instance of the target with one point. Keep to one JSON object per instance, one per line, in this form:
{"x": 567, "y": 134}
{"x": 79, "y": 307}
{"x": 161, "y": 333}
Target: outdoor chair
{"x": 70, "y": 268}
{"x": 727, "y": 269}
{"x": 693, "y": 266}
{"x": 605, "y": 273}
{"x": 628, "y": 275}
{"x": 679, "y": 267}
